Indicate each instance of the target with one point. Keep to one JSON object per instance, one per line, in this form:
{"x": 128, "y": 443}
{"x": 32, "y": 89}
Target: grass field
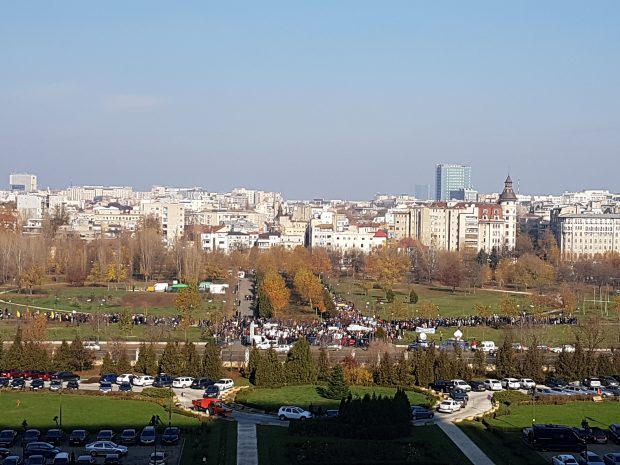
{"x": 89, "y": 412}
{"x": 427, "y": 445}
{"x": 270, "y": 399}
{"x": 217, "y": 441}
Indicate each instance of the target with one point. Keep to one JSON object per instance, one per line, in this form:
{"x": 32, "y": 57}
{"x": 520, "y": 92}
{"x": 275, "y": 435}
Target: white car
{"x": 289, "y": 412}
{"x": 282, "y": 348}
{"x": 492, "y": 385}
{"x": 92, "y": 345}
{"x": 143, "y": 381}
{"x": 527, "y": 383}
{"x": 565, "y": 348}
{"x": 182, "y": 382}
{"x": 510, "y": 383}
{"x": 462, "y": 385}
{"x": 449, "y": 406}
{"x": 158, "y": 458}
{"x": 564, "y": 459}
{"x": 224, "y": 384}
{"x": 124, "y": 378}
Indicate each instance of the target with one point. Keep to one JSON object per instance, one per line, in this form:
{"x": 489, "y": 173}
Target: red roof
{"x": 380, "y": 233}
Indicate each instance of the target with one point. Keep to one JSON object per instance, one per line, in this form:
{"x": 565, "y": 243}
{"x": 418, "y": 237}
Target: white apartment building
{"x": 172, "y": 218}
{"x": 23, "y": 182}
{"x": 325, "y": 235}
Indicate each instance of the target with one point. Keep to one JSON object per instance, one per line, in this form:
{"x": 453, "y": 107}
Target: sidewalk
{"x": 247, "y": 447}
{"x": 467, "y": 446}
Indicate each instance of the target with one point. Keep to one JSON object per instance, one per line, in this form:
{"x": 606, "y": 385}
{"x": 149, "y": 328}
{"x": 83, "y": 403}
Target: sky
{"x": 331, "y": 99}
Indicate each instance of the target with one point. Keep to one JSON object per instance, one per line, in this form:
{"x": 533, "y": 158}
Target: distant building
{"x": 466, "y": 195}
{"x": 422, "y": 191}
{"x": 449, "y": 179}
{"x": 22, "y": 182}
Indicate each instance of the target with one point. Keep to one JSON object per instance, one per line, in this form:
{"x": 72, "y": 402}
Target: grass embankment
{"x": 427, "y": 445}
{"x": 271, "y": 399}
{"x": 81, "y": 411}
{"x": 504, "y": 437}
{"x": 217, "y": 441}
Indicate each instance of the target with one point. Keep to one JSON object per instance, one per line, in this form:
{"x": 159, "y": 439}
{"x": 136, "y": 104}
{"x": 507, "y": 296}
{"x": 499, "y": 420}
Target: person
{"x": 72, "y": 459}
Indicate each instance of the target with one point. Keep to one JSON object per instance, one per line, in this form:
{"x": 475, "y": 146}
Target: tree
{"x": 269, "y": 372}
{"x": 532, "y": 366}
{"x": 568, "y": 299}
{"x": 309, "y": 287}
{"x": 480, "y": 363}
{"x": 36, "y": 328}
{"x": 337, "y": 386}
{"x": 186, "y": 302}
{"x": 15, "y": 353}
{"x": 451, "y": 271}
{"x": 125, "y": 323}
{"x": 123, "y": 365}
{"x": 81, "y": 358}
{"x": 384, "y": 373}
{"x": 275, "y": 290}
{"x": 509, "y": 307}
{"x": 323, "y": 369}
{"x": 504, "y": 360}
{"x": 170, "y": 361}
{"x": 413, "y": 297}
{"x": 107, "y": 365}
{"x": 428, "y": 310}
{"x": 387, "y": 266}
{"x": 147, "y": 360}
{"x": 212, "y": 362}
{"x": 63, "y": 357}
{"x": 32, "y": 276}
{"x": 263, "y": 305}
{"x": 300, "y": 367}
{"x": 254, "y": 360}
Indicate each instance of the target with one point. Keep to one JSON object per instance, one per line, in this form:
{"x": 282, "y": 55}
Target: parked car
{"x": 163, "y": 381}
{"x": 112, "y": 459}
{"x": 613, "y": 432}
{"x": 73, "y": 385}
{"x": 128, "y": 437}
{"x": 36, "y": 460}
{"x": 106, "y": 435}
{"x": 419, "y": 413}
{"x": 593, "y": 435}
{"x": 18, "y": 383}
{"x": 108, "y": 378}
{"x": 104, "y": 448}
{"x": 553, "y": 437}
{"x": 460, "y": 396}
{"x": 61, "y": 458}
{"x": 510, "y": 383}
{"x": 41, "y": 448}
{"x": 8, "y": 437}
{"x": 55, "y": 385}
{"x": 284, "y": 348}
{"x": 333, "y": 413}
{"x": 541, "y": 391}
{"x": 589, "y": 458}
{"x": 65, "y": 376}
{"x": 212, "y": 391}
{"x": 4, "y": 381}
{"x": 493, "y": 384}
{"x": 555, "y": 382}
{"x": 143, "y": 381}
{"x": 12, "y": 460}
{"x": 78, "y": 437}
{"x": 37, "y": 384}
{"x": 460, "y": 384}
{"x": 611, "y": 459}
{"x": 592, "y": 382}
{"x": 449, "y": 406}
{"x": 125, "y": 378}
{"x": 609, "y": 381}
{"x": 171, "y": 435}
{"x": 85, "y": 460}
{"x": 201, "y": 383}
{"x": 575, "y": 390}
{"x": 148, "y": 435}
{"x": 55, "y": 436}
{"x": 289, "y": 412}
{"x": 527, "y": 383}
{"x": 477, "y": 386}
{"x": 442, "y": 385}
{"x": 224, "y": 384}
{"x": 182, "y": 382}
{"x": 30, "y": 435}
{"x": 105, "y": 387}
{"x": 4, "y": 452}
{"x": 92, "y": 345}
{"x": 158, "y": 458}
{"x": 125, "y": 387}
{"x": 563, "y": 459}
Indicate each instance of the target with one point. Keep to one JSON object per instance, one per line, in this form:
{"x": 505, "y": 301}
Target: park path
{"x": 247, "y": 446}
{"x": 462, "y": 441}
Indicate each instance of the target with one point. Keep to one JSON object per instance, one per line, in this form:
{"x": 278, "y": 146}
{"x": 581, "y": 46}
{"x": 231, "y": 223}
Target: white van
{"x": 487, "y": 346}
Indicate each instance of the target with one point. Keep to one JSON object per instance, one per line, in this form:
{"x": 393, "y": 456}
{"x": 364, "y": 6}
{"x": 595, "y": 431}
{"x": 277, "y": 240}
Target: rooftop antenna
{"x": 518, "y": 186}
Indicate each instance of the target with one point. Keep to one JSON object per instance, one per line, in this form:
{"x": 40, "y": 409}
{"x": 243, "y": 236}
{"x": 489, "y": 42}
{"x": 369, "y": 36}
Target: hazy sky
{"x": 335, "y": 99}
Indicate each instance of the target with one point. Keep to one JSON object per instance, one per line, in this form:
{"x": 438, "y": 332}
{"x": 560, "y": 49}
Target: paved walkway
{"x": 462, "y": 441}
{"x": 247, "y": 447}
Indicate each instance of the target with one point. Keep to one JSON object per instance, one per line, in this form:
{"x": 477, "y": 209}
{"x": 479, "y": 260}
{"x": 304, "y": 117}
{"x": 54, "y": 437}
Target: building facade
{"x": 449, "y": 179}
{"x": 22, "y": 182}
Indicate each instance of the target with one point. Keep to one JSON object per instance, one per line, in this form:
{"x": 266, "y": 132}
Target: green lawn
{"x": 217, "y": 441}
{"x": 427, "y": 445}
{"x": 80, "y": 411}
{"x": 271, "y": 399}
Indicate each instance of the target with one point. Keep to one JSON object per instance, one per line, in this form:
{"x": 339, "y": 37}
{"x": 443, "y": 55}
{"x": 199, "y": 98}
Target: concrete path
{"x": 245, "y": 288}
{"x": 462, "y": 441}
{"x": 247, "y": 447}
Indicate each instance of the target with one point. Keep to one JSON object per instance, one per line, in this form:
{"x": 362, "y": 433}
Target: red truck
{"x": 211, "y": 406}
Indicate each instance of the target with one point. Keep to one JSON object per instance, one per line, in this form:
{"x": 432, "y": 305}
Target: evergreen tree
{"x": 384, "y": 372}
{"x": 444, "y": 368}
{"x": 564, "y": 366}
{"x": 170, "y": 361}
{"x": 532, "y": 366}
{"x": 389, "y": 295}
{"x": 35, "y": 357}
{"x": 123, "y": 365}
{"x": 504, "y": 360}
{"x": 107, "y": 365}
{"x": 300, "y": 367}
{"x": 191, "y": 360}
{"x": 423, "y": 365}
{"x": 147, "y": 360}
{"x": 212, "y": 361}
{"x": 580, "y": 362}
{"x": 330, "y": 307}
{"x": 254, "y": 361}
{"x": 269, "y": 372}
{"x": 14, "y": 355}
{"x": 81, "y": 358}
{"x": 413, "y": 297}
{"x": 604, "y": 365}
{"x": 62, "y": 357}
{"x": 337, "y": 386}
{"x": 402, "y": 372}
{"x": 140, "y": 366}
{"x": 263, "y": 305}
{"x": 480, "y": 363}
{"x": 323, "y": 370}
{"x": 2, "y": 353}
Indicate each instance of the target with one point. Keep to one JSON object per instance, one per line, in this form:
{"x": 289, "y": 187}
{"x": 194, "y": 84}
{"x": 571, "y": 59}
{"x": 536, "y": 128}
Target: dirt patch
{"x": 148, "y": 300}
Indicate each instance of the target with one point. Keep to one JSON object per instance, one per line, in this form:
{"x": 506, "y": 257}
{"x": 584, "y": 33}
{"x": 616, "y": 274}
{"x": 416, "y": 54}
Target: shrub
{"x": 510, "y": 397}
{"x": 157, "y": 393}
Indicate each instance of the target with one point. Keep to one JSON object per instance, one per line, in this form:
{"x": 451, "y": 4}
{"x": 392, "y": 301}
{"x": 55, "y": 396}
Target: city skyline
{"x": 341, "y": 100}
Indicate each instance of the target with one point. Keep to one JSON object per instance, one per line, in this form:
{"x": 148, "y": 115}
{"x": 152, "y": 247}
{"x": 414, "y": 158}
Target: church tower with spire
{"x": 508, "y": 202}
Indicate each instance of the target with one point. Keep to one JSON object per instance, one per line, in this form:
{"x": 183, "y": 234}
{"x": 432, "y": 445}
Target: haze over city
{"x": 322, "y": 99}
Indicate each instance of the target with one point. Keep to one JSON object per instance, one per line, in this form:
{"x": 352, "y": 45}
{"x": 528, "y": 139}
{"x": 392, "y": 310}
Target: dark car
{"x": 442, "y": 385}
{"x": 65, "y": 376}
{"x": 12, "y": 460}
{"x": 85, "y": 460}
{"x": 553, "y": 437}
{"x": 460, "y": 396}
{"x": 594, "y": 435}
{"x": 613, "y": 432}
{"x": 4, "y": 452}
{"x": 555, "y": 382}
{"x": 171, "y": 435}
{"x": 4, "y": 381}
{"x": 37, "y": 384}
{"x": 45, "y": 449}
{"x": 112, "y": 459}
{"x": 201, "y": 383}
{"x": 105, "y": 435}
{"x": 55, "y": 436}
{"x": 419, "y": 413}
{"x": 163, "y": 381}
{"x": 148, "y": 436}
{"x": 55, "y": 385}
{"x": 211, "y": 391}
{"x": 73, "y": 384}
{"x": 477, "y": 386}
{"x": 36, "y": 460}
{"x": 78, "y": 437}
{"x": 108, "y": 378}
{"x": 125, "y": 387}
{"x": 611, "y": 459}
{"x": 609, "y": 381}
{"x": 332, "y": 413}
{"x": 7, "y": 437}
{"x": 18, "y": 383}
{"x": 31, "y": 435}
{"x": 128, "y": 437}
